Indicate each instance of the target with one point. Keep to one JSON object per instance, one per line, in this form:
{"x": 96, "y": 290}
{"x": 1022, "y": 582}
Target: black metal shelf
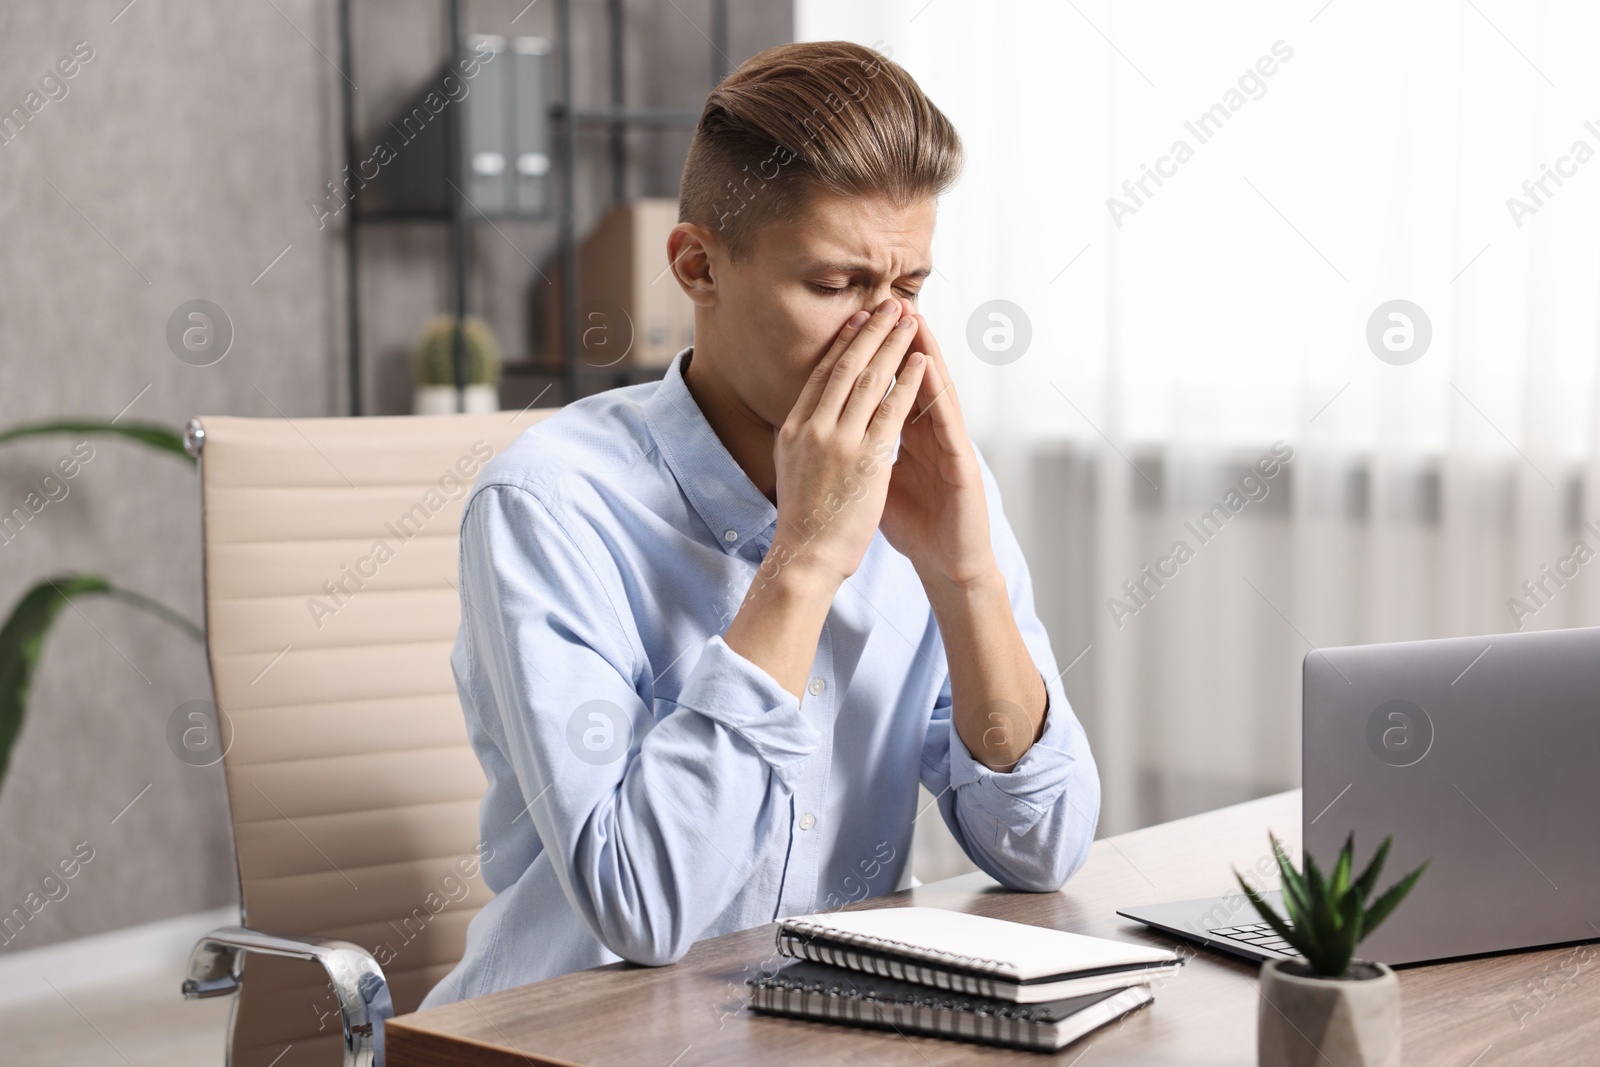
{"x": 629, "y": 116}
{"x": 616, "y": 118}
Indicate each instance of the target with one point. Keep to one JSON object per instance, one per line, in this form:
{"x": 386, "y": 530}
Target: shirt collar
{"x": 728, "y": 502}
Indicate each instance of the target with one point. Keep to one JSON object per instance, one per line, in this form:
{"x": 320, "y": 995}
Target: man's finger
{"x": 881, "y": 330}
{"x": 939, "y": 376}
{"x": 806, "y": 403}
{"x": 926, "y": 342}
{"x": 890, "y": 414}
{"x": 931, "y": 400}
{"x": 871, "y": 385}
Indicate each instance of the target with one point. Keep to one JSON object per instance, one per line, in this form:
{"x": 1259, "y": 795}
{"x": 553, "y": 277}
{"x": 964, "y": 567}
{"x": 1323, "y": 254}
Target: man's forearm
{"x": 997, "y": 696}
{"x": 780, "y": 621}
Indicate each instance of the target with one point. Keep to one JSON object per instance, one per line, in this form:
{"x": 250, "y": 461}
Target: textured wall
{"x": 177, "y": 166}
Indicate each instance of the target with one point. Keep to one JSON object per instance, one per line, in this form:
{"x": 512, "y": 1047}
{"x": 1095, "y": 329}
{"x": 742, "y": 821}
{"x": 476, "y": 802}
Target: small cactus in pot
{"x": 433, "y": 366}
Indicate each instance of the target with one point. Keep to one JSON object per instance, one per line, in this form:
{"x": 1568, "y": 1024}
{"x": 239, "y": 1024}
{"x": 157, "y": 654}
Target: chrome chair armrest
{"x": 357, "y": 980}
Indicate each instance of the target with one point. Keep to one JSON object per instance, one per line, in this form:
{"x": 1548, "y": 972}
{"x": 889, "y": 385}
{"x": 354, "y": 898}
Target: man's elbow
{"x": 1069, "y": 851}
{"x": 1049, "y": 872}
{"x": 1071, "y": 858}
{"x": 652, "y": 953}
{"x": 1079, "y": 839}
{"x": 648, "y": 942}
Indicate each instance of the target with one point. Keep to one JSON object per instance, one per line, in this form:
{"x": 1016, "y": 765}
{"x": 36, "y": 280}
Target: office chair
{"x": 352, "y": 788}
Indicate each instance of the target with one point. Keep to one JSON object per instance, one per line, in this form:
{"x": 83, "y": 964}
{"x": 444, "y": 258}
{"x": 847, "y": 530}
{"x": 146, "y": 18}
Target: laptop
{"x": 1479, "y": 753}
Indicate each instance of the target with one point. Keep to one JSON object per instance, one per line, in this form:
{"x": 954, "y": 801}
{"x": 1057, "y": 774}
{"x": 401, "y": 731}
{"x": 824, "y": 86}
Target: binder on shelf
{"x": 487, "y": 126}
{"x": 530, "y": 126}
{"x": 502, "y": 116}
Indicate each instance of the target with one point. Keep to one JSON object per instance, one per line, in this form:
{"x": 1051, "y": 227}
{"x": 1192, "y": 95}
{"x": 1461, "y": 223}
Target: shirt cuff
{"x": 747, "y": 701}
{"x": 1020, "y": 797}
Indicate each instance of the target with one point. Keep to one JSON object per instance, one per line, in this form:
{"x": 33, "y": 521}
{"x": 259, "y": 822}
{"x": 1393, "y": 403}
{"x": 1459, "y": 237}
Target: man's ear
{"x": 693, "y": 255}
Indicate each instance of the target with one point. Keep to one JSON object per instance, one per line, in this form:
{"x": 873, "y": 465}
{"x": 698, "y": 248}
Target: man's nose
{"x": 887, "y": 293}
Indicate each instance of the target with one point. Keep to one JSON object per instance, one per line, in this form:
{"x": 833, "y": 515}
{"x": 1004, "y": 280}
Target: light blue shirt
{"x": 647, "y": 785}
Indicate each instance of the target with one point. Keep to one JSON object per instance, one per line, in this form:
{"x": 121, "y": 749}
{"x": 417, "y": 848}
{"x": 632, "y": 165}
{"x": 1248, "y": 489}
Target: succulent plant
{"x": 1329, "y": 917}
{"x": 432, "y": 361}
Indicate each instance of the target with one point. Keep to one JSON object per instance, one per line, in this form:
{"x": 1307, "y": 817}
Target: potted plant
{"x": 1325, "y": 1006}
{"x": 433, "y": 367}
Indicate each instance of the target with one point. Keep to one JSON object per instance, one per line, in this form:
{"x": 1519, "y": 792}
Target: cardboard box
{"x": 630, "y": 308}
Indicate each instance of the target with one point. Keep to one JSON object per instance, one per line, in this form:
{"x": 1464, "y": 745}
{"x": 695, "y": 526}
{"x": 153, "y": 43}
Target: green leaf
{"x": 154, "y": 434}
{"x": 1350, "y": 917}
{"x": 1295, "y": 899}
{"x": 1291, "y": 934}
{"x": 1327, "y": 914}
{"x": 1340, "y": 882}
{"x": 1350, "y": 935}
{"x": 22, "y": 641}
{"x": 159, "y": 610}
{"x": 1369, "y": 877}
{"x": 1390, "y": 899}
{"x": 1324, "y": 923}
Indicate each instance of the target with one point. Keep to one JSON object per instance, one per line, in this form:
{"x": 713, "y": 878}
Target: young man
{"x": 716, "y": 629}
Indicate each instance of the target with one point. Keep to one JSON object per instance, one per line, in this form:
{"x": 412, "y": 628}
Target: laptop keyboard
{"x": 1257, "y": 935}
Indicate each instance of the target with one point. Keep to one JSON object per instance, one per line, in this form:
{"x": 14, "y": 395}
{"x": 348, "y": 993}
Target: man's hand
{"x": 832, "y": 458}
{"x": 832, "y": 452}
{"x": 936, "y": 514}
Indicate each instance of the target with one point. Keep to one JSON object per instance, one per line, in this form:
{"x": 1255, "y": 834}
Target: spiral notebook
{"x": 815, "y": 991}
{"x": 972, "y": 954}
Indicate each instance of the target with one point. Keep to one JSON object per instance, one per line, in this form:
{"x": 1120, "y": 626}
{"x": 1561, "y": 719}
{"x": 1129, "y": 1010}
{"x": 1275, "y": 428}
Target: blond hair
{"x": 821, "y": 115}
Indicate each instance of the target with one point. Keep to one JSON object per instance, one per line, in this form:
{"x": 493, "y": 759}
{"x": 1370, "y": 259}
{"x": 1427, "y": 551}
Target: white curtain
{"x": 1336, "y": 156}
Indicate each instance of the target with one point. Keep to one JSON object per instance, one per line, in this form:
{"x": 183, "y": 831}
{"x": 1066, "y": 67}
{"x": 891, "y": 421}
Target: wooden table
{"x": 1540, "y": 1007}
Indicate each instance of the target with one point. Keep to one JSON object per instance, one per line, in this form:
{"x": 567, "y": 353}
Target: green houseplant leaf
{"x": 23, "y": 633}
{"x": 1369, "y": 877}
{"x": 1328, "y": 917}
{"x": 1341, "y": 869}
{"x": 1279, "y": 927}
{"x": 157, "y": 436}
{"x": 1296, "y": 901}
{"x": 22, "y": 641}
{"x": 1391, "y": 899}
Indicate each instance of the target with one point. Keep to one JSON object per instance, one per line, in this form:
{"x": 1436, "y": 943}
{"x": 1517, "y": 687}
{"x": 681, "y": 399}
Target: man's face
{"x": 780, "y": 307}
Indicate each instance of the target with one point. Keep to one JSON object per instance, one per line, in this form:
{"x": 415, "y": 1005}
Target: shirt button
{"x": 807, "y": 821}
{"x": 730, "y": 535}
{"x": 816, "y": 687}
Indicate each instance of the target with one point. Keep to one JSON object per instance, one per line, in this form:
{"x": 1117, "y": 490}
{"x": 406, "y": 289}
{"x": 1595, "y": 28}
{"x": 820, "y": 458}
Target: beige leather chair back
{"x": 331, "y": 608}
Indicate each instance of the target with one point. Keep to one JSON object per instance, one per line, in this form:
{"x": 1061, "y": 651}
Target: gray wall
{"x": 178, "y": 166}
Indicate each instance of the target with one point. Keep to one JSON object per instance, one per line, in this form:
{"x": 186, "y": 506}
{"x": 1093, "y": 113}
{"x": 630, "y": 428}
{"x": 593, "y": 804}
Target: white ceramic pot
{"x": 1303, "y": 1020}
{"x": 441, "y": 399}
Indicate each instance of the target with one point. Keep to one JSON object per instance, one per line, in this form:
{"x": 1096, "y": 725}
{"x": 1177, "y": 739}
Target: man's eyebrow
{"x": 862, "y": 268}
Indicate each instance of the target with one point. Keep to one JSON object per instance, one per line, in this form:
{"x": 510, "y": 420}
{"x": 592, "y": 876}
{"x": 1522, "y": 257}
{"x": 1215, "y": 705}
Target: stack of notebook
{"x": 946, "y": 973}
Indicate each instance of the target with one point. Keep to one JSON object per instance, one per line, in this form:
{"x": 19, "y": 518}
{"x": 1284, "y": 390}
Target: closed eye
{"x": 909, "y": 294}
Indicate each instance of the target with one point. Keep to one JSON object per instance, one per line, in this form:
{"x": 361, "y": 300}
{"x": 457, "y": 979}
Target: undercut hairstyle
{"x": 828, "y": 116}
